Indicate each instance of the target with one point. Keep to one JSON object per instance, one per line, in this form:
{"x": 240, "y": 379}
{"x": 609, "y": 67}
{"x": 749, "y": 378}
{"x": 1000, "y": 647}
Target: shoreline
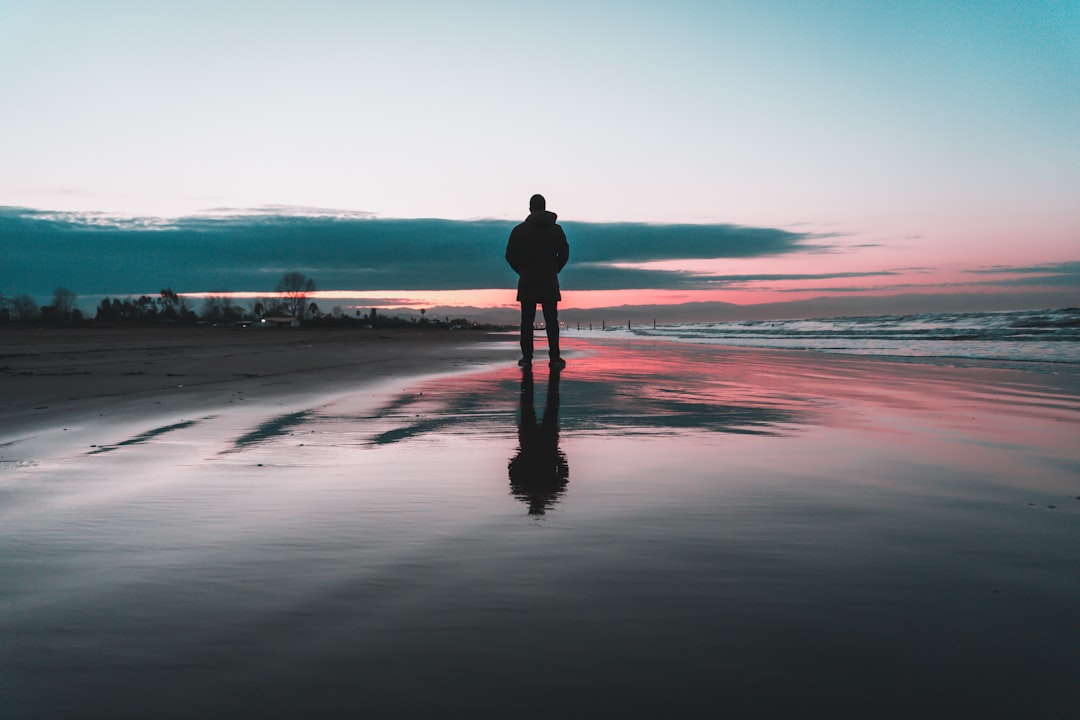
{"x": 48, "y": 375}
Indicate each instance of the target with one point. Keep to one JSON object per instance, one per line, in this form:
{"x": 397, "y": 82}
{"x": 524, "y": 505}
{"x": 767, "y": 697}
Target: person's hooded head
{"x": 538, "y": 212}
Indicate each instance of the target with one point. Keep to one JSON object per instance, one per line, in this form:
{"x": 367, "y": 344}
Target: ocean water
{"x": 679, "y": 532}
{"x": 1006, "y": 338}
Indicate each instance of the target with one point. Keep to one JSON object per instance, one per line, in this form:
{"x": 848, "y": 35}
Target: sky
{"x": 733, "y": 152}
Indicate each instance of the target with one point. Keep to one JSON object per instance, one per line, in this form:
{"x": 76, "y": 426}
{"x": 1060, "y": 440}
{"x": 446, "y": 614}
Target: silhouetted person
{"x": 537, "y": 251}
{"x": 539, "y": 472}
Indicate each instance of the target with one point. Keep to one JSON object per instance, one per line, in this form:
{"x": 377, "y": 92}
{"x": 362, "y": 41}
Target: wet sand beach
{"x": 288, "y": 525}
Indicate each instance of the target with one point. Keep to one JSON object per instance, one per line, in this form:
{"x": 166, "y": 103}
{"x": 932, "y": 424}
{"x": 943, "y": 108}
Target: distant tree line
{"x": 24, "y": 308}
{"x": 290, "y": 301}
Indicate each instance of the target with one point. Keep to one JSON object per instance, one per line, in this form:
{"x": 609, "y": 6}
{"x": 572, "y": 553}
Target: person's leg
{"x": 551, "y": 325}
{"x": 528, "y": 318}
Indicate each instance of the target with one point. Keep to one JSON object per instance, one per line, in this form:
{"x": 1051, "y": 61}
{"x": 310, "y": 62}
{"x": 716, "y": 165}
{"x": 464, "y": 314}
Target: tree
{"x": 63, "y": 302}
{"x": 24, "y": 307}
{"x": 146, "y": 308}
{"x": 219, "y": 308}
{"x": 294, "y": 290}
{"x": 62, "y": 309}
{"x": 105, "y": 310}
{"x": 170, "y": 303}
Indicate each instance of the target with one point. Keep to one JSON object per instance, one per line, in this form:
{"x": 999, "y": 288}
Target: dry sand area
{"x": 50, "y": 375}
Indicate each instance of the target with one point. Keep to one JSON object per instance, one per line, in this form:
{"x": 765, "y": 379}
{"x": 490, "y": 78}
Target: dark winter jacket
{"x": 537, "y": 251}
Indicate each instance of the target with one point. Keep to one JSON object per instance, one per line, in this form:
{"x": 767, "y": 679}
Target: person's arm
{"x": 562, "y": 253}
{"x": 512, "y": 253}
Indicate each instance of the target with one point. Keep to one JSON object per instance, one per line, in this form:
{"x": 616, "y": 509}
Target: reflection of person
{"x": 537, "y": 251}
{"x": 539, "y": 472}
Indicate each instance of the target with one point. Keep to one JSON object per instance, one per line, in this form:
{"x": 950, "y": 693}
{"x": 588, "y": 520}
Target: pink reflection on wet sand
{"x": 717, "y": 520}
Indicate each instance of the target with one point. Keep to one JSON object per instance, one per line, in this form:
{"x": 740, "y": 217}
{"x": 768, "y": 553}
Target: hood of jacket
{"x": 542, "y": 218}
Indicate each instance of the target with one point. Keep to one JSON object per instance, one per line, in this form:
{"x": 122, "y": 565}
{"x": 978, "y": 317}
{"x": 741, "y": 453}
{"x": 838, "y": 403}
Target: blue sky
{"x": 939, "y": 135}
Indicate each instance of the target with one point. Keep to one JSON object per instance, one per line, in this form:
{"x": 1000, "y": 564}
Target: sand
{"x": 403, "y": 525}
{"x": 52, "y": 377}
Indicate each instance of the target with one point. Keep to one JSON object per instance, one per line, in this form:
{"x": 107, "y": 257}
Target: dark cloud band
{"x": 248, "y": 252}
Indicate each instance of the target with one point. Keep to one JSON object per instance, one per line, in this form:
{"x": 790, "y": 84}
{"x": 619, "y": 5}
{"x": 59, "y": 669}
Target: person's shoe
{"x": 557, "y": 363}
{"x": 525, "y": 362}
